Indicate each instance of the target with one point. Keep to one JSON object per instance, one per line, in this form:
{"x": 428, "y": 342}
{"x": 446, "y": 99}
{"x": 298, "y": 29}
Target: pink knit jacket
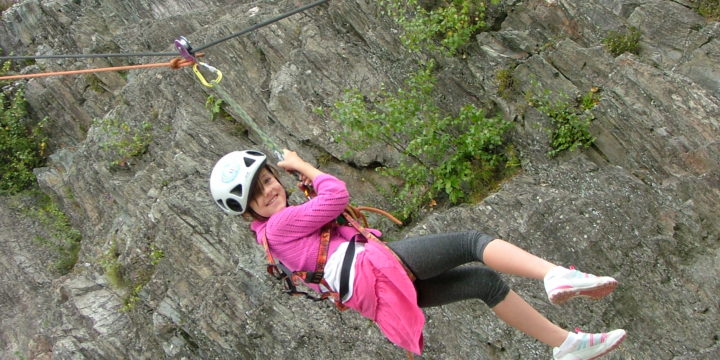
{"x": 382, "y": 290}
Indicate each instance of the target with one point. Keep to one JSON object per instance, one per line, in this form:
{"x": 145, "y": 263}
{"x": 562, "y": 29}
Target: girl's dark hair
{"x": 257, "y": 187}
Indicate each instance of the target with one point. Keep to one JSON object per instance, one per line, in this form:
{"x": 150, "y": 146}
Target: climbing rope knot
{"x": 175, "y": 63}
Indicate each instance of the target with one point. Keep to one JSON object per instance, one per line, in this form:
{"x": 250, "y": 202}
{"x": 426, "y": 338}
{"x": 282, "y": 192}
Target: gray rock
{"x": 640, "y": 204}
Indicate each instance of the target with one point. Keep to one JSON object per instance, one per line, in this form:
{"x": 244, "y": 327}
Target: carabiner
{"x": 202, "y": 78}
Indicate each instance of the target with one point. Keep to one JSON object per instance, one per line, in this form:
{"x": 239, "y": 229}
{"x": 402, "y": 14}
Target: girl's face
{"x": 272, "y": 198}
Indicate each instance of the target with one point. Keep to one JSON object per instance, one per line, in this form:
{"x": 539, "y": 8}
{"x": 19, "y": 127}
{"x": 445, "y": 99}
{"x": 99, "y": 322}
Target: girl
{"x": 374, "y": 281}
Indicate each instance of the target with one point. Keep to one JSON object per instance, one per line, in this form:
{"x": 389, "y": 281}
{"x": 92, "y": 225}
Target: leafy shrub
{"x": 449, "y": 155}
{"x": 621, "y": 42}
{"x": 22, "y": 144}
{"x": 571, "y": 122}
{"x": 447, "y": 27}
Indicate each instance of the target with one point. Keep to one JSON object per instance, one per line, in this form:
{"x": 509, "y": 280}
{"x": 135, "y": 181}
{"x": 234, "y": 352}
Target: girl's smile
{"x": 271, "y": 198}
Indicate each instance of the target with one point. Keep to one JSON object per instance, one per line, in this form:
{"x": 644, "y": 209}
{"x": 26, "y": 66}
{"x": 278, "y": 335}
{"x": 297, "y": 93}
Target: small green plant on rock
{"x": 64, "y": 239}
{"x": 590, "y": 99}
{"x": 132, "y": 298}
{"x": 618, "y": 43}
{"x": 442, "y": 154}
{"x": 112, "y": 267}
{"x": 215, "y": 106}
{"x": 124, "y": 141}
{"x": 570, "y": 122}
{"x": 130, "y": 278}
{"x": 156, "y": 254}
{"x": 119, "y": 277}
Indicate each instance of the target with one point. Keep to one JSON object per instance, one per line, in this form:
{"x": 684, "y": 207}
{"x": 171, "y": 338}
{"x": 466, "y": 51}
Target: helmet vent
{"x": 237, "y": 191}
{"x": 248, "y": 161}
{"x": 221, "y": 204}
{"x": 234, "y": 205}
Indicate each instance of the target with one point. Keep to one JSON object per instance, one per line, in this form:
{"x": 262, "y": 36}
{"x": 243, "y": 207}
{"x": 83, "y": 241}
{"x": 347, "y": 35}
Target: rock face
{"x": 641, "y": 204}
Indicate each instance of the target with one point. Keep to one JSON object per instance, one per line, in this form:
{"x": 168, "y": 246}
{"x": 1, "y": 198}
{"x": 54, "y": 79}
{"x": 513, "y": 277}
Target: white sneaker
{"x": 564, "y": 284}
{"x": 590, "y": 346}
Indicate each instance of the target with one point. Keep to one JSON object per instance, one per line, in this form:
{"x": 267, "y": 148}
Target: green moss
{"x": 710, "y": 9}
{"x": 112, "y": 267}
{"x": 505, "y": 82}
{"x": 66, "y": 240}
{"x": 95, "y": 83}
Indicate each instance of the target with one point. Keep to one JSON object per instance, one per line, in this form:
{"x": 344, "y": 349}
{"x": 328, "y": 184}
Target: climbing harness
{"x": 280, "y": 272}
{"x": 291, "y": 278}
{"x": 351, "y": 216}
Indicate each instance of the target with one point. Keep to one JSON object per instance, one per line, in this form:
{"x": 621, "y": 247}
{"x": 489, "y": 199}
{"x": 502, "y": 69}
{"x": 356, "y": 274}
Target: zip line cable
{"x": 261, "y": 24}
{"x": 147, "y": 54}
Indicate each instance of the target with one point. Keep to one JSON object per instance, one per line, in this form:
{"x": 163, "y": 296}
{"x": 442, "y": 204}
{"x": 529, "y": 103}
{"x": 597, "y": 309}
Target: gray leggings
{"x": 435, "y": 260}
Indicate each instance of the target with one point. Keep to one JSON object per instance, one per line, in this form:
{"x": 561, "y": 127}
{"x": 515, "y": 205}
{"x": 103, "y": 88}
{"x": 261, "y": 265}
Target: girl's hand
{"x": 291, "y": 162}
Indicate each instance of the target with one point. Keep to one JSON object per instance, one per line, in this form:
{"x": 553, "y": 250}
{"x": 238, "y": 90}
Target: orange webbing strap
{"x": 272, "y": 267}
{"x": 322, "y": 254}
{"x": 173, "y": 64}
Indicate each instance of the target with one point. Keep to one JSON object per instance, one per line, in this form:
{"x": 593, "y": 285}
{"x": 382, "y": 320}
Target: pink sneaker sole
{"x": 559, "y": 296}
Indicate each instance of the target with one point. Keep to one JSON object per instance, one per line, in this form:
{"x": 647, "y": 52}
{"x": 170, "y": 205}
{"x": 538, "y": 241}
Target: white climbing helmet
{"x": 232, "y": 177}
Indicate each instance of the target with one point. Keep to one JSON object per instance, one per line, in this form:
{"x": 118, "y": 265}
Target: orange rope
{"x": 173, "y": 64}
{"x": 381, "y": 212}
